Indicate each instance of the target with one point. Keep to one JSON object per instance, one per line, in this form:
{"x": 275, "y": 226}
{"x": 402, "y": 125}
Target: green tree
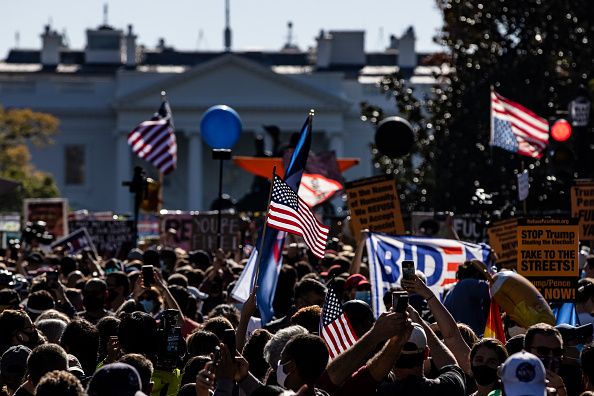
{"x": 535, "y": 52}
{"x": 17, "y": 128}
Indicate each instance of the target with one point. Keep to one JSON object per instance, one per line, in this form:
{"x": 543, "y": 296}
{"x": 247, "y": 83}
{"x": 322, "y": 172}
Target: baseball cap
{"x": 523, "y": 374}
{"x": 14, "y": 361}
{"x": 355, "y": 280}
{"x": 117, "y": 379}
{"x": 580, "y": 334}
{"x": 417, "y": 342}
{"x": 135, "y": 254}
{"x": 332, "y": 271}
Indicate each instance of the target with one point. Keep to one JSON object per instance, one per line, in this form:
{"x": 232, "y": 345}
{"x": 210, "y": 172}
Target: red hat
{"x": 334, "y": 270}
{"x": 355, "y": 280}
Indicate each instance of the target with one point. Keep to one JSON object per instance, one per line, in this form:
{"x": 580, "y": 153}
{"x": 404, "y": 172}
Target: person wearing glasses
{"x": 545, "y": 341}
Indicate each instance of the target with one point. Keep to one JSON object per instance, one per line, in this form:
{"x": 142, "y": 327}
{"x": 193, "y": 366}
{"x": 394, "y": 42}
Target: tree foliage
{"x": 535, "y": 52}
{"x": 17, "y": 127}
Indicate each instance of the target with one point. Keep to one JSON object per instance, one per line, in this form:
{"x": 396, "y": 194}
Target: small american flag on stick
{"x": 335, "y": 328}
{"x": 154, "y": 140}
{"x": 287, "y": 212}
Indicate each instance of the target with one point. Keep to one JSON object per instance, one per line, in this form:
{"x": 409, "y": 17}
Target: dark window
{"x": 75, "y": 165}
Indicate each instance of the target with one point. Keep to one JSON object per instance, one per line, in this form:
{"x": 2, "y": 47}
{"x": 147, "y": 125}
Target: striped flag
{"x": 335, "y": 328}
{"x": 517, "y": 129}
{"x": 154, "y": 140}
{"x": 287, "y": 212}
{"x": 494, "y": 326}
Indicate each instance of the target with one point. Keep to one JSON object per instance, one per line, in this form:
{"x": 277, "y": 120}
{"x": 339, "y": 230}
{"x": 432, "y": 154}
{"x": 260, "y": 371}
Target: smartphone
{"x": 217, "y": 356}
{"x": 408, "y": 269}
{"x": 229, "y": 340}
{"x": 399, "y": 301}
{"x": 52, "y": 279}
{"x": 148, "y": 275}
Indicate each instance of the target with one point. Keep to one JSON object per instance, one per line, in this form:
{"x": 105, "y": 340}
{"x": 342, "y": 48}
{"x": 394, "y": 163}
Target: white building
{"x": 101, "y": 92}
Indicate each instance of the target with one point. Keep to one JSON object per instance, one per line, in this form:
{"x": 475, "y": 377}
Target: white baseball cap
{"x": 523, "y": 374}
{"x": 417, "y": 342}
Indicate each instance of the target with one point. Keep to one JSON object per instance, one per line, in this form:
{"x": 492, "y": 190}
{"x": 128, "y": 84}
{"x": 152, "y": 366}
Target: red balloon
{"x": 561, "y": 130}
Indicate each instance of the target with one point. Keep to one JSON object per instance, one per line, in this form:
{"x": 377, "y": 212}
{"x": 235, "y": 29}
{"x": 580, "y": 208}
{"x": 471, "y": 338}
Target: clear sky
{"x": 199, "y": 24}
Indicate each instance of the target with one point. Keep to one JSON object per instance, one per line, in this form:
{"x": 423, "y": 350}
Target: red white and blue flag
{"x": 515, "y": 128}
{"x": 335, "y": 328}
{"x": 154, "y": 140}
{"x": 437, "y": 258}
{"x": 288, "y": 212}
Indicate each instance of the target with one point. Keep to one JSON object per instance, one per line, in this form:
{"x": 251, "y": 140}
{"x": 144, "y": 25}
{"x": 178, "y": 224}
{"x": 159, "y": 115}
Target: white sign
{"x": 523, "y": 185}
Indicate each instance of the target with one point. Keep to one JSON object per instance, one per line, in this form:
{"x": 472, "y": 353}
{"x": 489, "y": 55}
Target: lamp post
{"x": 139, "y": 187}
{"x": 220, "y": 129}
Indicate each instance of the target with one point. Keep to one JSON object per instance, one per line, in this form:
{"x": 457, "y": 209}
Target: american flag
{"x": 335, "y": 328}
{"x": 154, "y": 140}
{"x": 287, "y": 212}
{"x": 517, "y": 129}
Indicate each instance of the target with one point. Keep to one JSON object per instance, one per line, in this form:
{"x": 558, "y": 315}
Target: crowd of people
{"x": 163, "y": 322}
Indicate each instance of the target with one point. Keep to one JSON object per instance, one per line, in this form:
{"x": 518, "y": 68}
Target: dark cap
{"x": 35, "y": 258}
{"x": 117, "y": 379}
{"x": 578, "y": 333}
{"x": 14, "y": 361}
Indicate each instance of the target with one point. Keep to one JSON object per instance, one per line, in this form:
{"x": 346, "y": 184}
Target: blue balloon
{"x": 220, "y": 127}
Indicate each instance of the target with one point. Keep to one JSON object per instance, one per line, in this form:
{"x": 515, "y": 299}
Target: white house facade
{"x": 102, "y": 92}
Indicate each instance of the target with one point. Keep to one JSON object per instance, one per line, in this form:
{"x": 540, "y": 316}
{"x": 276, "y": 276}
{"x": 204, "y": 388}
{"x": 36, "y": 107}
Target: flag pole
{"x": 524, "y": 204}
{"x": 264, "y": 230}
{"x": 161, "y": 175}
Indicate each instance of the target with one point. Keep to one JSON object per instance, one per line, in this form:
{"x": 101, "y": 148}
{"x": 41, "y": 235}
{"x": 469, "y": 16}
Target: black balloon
{"x": 394, "y": 137}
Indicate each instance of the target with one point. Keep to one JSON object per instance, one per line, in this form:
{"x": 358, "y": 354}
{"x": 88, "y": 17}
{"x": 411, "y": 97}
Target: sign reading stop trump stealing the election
{"x": 582, "y": 207}
{"x": 548, "y": 256}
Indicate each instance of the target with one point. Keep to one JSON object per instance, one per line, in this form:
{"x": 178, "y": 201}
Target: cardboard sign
{"x": 10, "y": 222}
{"x": 503, "y": 239}
{"x": 466, "y": 227}
{"x": 374, "y": 205}
{"x": 548, "y": 256}
{"x": 183, "y": 224}
{"x": 199, "y": 230}
{"x": 205, "y": 237}
{"x": 75, "y": 242}
{"x": 582, "y": 207}
{"x": 51, "y": 210}
{"x": 112, "y": 238}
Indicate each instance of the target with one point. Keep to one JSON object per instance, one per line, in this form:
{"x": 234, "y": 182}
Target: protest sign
{"x": 205, "y": 237}
{"x": 466, "y": 227}
{"x": 503, "y": 239}
{"x": 75, "y": 242}
{"x": 112, "y": 238}
{"x": 51, "y": 210}
{"x": 183, "y": 224}
{"x": 548, "y": 256}
{"x": 10, "y": 222}
{"x": 582, "y": 207}
{"x": 374, "y": 205}
{"x": 148, "y": 226}
{"x": 523, "y": 185}
{"x": 437, "y": 258}
{"x": 198, "y": 230}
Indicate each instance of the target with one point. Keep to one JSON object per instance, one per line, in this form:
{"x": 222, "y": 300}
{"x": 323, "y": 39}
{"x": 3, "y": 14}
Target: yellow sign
{"x": 503, "y": 239}
{"x": 374, "y": 205}
{"x": 582, "y": 207}
{"x": 548, "y": 256}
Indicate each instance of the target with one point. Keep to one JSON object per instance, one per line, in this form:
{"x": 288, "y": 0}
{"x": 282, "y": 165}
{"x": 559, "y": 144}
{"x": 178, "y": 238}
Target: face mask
{"x": 281, "y": 376}
{"x": 364, "y": 296}
{"x": 148, "y": 305}
{"x": 551, "y": 363}
{"x": 93, "y": 303}
{"x": 585, "y": 318}
{"x": 484, "y": 375}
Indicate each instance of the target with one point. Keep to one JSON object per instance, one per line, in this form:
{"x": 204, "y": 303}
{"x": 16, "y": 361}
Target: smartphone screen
{"x": 408, "y": 269}
{"x": 399, "y": 301}
{"x": 148, "y": 275}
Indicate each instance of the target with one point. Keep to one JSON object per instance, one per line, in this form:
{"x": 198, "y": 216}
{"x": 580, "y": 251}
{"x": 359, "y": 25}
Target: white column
{"x": 123, "y": 173}
{"x": 195, "y": 175}
{"x": 336, "y": 143}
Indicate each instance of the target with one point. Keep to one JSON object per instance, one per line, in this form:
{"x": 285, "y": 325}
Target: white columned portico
{"x": 336, "y": 143}
{"x": 123, "y": 173}
{"x": 195, "y": 174}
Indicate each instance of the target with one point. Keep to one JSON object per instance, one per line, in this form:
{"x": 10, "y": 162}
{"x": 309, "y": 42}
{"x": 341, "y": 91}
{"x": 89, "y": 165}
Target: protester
{"x": 546, "y": 343}
{"x": 59, "y": 383}
{"x": 523, "y": 374}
